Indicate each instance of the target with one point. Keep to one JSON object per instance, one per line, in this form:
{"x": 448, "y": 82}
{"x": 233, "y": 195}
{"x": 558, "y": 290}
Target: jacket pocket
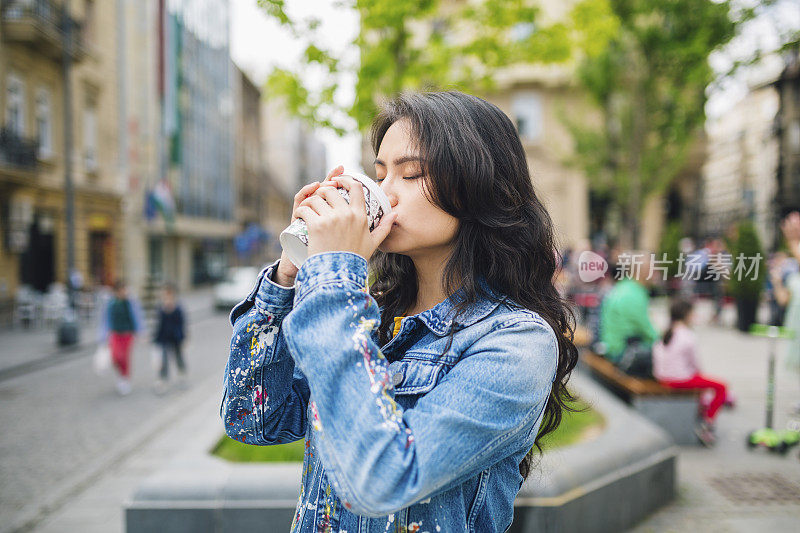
{"x": 411, "y": 376}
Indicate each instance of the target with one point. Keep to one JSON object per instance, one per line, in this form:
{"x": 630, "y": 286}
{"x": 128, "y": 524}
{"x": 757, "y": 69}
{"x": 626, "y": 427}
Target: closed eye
{"x": 404, "y": 177}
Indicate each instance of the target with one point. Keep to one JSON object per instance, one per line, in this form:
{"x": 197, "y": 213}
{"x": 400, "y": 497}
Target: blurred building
{"x": 739, "y": 173}
{"x": 34, "y": 35}
{"x": 295, "y": 156}
{"x": 249, "y": 173}
{"x": 787, "y": 129}
{"x": 259, "y": 201}
{"x": 191, "y": 205}
{"x": 139, "y": 126}
{"x": 753, "y": 166}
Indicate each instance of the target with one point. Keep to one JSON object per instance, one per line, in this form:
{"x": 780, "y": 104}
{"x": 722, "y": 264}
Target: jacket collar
{"x": 440, "y": 317}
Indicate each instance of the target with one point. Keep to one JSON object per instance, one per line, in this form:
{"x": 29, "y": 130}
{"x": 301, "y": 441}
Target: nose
{"x": 389, "y": 193}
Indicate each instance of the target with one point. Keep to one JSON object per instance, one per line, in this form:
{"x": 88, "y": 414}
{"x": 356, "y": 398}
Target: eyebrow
{"x": 400, "y": 160}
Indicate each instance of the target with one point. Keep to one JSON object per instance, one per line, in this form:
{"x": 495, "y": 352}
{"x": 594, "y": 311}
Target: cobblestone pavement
{"x": 65, "y": 426}
{"x": 729, "y": 488}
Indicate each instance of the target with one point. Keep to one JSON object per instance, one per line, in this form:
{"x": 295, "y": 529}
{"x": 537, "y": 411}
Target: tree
{"x": 650, "y": 85}
{"x": 430, "y": 45}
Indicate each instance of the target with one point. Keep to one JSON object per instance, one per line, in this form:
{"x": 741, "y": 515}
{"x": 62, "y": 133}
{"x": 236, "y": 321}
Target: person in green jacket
{"x": 624, "y": 312}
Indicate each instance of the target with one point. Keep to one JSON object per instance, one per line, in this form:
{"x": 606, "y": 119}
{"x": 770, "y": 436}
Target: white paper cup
{"x": 294, "y": 239}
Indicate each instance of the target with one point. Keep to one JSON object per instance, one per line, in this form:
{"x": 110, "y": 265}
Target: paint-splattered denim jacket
{"x": 398, "y": 437}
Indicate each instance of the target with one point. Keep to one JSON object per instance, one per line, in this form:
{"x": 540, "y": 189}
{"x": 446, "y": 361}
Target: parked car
{"x": 234, "y": 288}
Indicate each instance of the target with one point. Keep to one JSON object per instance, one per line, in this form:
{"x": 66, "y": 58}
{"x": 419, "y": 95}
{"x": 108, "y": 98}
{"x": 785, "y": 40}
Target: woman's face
{"x": 421, "y": 228}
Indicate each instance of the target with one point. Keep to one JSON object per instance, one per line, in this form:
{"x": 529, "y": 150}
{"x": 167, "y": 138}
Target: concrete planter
{"x": 605, "y": 484}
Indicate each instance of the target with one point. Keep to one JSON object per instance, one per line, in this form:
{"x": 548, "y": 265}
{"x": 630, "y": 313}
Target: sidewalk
{"x": 97, "y": 508}
{"x": 22, "y": 350}
{"x": 728, "y": 487}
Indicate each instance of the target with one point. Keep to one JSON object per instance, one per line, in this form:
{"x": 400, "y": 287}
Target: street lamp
{"x": 68, "y": 332}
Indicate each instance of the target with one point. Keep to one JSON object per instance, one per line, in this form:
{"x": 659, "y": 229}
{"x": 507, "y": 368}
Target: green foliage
{"x": 670, "y": 245}
{"x": 746, "y": 244}
{"x": 649, "y": 85}
{"x": 430, "y": 45}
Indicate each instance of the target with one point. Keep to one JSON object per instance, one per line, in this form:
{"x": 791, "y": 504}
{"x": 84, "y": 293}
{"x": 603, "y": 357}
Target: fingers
{"x": 332, "y": 197}
{"x": 382, "y": 231}
{"x": 319, "y": 205}
{"x": 356, "y": 190}
{"x": 335, "y": 172}
{"x": 304, "y": 193}
{"x": 307, "y": 214}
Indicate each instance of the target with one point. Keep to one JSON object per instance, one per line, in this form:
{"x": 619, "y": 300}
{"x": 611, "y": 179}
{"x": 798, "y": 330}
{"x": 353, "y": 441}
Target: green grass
{"x": 572, "y": 427}
{"x": 238, "y": 452}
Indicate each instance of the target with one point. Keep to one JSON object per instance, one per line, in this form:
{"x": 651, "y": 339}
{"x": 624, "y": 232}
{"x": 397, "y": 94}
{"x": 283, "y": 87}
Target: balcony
{"x": 43, "y": 25}
{"x": 18, "y": 152}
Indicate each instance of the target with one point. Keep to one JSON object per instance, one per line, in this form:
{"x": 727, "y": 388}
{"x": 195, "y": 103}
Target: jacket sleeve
{"x": 379, "y": 457}
{"x": 265, "y": 397}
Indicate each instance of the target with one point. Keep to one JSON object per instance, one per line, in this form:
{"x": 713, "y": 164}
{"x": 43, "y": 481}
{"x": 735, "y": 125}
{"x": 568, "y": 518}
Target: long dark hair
{"x": 679, "y": 309}
{"x": 475, "y": 170}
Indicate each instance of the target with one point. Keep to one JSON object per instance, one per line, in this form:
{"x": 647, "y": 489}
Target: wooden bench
{"x": 675, "y": 410}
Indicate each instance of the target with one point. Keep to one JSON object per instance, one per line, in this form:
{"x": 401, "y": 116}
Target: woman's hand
{"x": 335, "y": 225}
{"x": 286, "y": 271}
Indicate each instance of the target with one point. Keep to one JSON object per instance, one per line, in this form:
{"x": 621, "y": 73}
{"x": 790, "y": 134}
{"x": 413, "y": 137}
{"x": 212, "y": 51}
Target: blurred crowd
{"x": 613, "y": 309}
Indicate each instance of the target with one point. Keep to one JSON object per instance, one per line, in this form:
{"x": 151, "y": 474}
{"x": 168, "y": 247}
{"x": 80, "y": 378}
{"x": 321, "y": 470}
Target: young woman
{"x": 675, "y": 364}
{"x": 422, "y": 396}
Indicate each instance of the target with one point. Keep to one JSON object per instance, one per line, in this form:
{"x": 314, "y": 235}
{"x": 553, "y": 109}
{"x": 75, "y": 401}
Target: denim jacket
{"x": 397, "y": 437}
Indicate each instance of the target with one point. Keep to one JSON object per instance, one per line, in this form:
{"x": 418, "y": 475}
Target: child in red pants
{"x": 675, "y": 365}
{"x": 121, "y": 321}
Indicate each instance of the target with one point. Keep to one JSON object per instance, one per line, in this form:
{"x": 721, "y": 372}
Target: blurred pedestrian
{"x": 675, "y": 364}
{"x": 626, "y": 333}
{"x": 685, "y": 282}
{"x": 122, "y": 320}
{"x": 789, "y": 293}
{"x": 719, "y": 264}
{"x": 169, "y": 335}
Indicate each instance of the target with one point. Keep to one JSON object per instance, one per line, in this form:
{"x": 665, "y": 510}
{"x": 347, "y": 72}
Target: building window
{"x": 526, "y": 109}
{"x": 15, "y": 105}
{"x": 44, "y": 123}
{"x": 90, "y": 137}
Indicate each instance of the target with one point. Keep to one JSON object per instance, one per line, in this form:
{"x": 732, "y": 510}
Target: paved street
{"x": 729, "y": 488}
{"x": 65, "y": 426}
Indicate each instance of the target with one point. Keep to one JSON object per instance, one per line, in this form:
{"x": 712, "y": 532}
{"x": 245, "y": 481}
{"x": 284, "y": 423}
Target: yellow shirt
{"x": 397, "y": 322}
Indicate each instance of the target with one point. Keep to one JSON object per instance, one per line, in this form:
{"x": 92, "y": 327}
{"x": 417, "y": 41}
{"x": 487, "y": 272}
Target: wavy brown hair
{"x": 475, "y": 169}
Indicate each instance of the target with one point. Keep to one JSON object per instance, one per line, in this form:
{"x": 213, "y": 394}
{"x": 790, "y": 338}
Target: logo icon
{"x": 591, "y": 266}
